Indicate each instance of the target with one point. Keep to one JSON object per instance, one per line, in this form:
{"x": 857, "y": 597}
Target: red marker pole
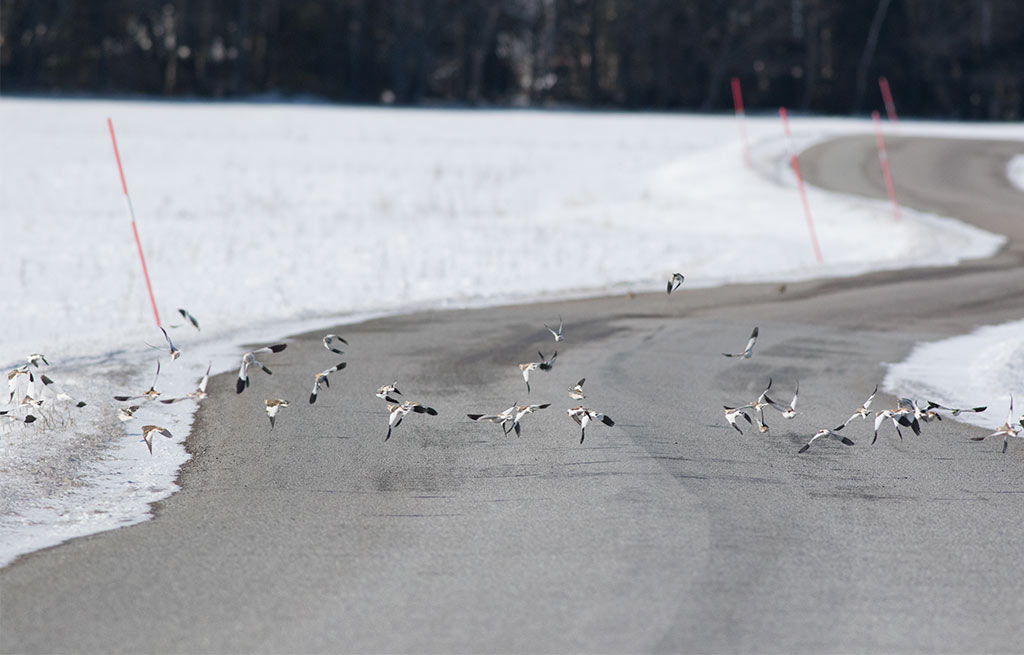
{"x": 737, "y": 103}
{"x": 890, "y": 106}
{"x": 795, "y": 163}
{"x": 135, "y": 231}
{"x": 883, "y": 157}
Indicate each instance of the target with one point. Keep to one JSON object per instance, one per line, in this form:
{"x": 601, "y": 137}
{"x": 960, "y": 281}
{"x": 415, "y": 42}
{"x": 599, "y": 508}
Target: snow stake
{"x": 131, "y": 213}
{"x": 883, "y": 157}
{"x": 737, "y": 103}
{"x": 890, "y": 106}
{"x": 795, "y": 163}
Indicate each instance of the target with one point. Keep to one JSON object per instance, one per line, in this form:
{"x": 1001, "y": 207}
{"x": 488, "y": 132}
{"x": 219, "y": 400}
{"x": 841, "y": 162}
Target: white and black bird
{"x": 58, "y": 392}
{"x": 272, "y": 407}
{"x": 125, "y": 414}
{"x": 396, "y": 412}
{"x": 149, "y": 430}
{"x": 523, "y": 410}
{"x": 385, "y": 390}
{"x": 789, "y": 411}
{"x": 556, "y": 334}
{"x": 899, "y": 416}
{"x": 543, "y": 365}
{"x": 503, "y": 418}
{"x": 35, "y": 358}
{"x": 576, "y": 391}
{"x": 151, "y": 394}
{"x": 954, "y": 411}
{"x": 329, "y": 343}
{"x": 674, "y": 282}
{"x": 749, "y": 350}
{"x": 732, "y": 414}
{"x": 185, "y": 314}
{"x": 862, "y": 411}
{"x": 7, "y": 416}
{"x": 198, "y": 394}
{"x": 824, "y": 432}
{"x": 1007, "y": 430}
{"x": 249, "y": 359}
{"x": 584, "y": 417}
{"x": 758, "y": 406}
{"x": 175, "y": 352}
{"x": 321, "y": 378}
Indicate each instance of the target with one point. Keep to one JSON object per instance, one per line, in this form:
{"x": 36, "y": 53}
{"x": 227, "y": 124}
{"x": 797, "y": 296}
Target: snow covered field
{"x": 265, "y": 220}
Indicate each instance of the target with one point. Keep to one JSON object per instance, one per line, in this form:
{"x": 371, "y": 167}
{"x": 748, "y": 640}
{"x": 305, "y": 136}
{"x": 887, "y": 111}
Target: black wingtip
{"x": 278, "y": 347}
{"x": 608, "y": 421}
{"x": 267, "y": 371}
{"x": 240, "y": 385}
{"x": 847, "y": 441}
{"x": 388, "y": 435}
{"x": 431, "y": 411}
{"x": 121, "y": 398}
{"x": 474, "y": 416}
{"x": 804, "y": 449}
{"x": 583, "y": 434}
{"x": 312, "y": 398}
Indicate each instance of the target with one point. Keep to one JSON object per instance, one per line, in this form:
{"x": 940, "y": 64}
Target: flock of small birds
{"x": 27, "y": 392}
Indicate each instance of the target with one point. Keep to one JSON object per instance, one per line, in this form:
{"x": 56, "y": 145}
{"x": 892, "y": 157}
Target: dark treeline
{"x": 944, "y": 58}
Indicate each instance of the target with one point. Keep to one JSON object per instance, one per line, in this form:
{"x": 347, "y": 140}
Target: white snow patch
{"x": 1015, "y": 171}
{"x": 978, "y": 369}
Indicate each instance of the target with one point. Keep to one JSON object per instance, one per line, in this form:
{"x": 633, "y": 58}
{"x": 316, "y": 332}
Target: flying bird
{"x": 576, "y": 391}
{"x": 151, "y": 394}
{"x": 331, "y": 338}
{"x": 198, "y": 394}
{"x": 675, "y": 282}
{"x": 523, "y": 410}
{"x": 58, "y": 392}
{"x": 503, "y": 418}
{"x": 543, "y": 365}
{"x": 1006, "y": 430}
{"x": 954, "y": 411}
{"x": 732, "y": 414}
{"x": 789, "y": 411}
{"x": 35, "y": 358}
{"x": 749, "y": 350}
{"x": 249, "y": 359}
{"x": 861, "y": 411}
{"x": 557, "y": 335}
{"x": 273, "y": 406}
{"x": 386, "y": 390}
{"x": 834, "y": 434}
{"x": 189, "y": 317}
{"x": 175, "y": 353}
{"x": 149, "y": 430}
{"x": 321, "y": 378}
{"x": 584, "y": 416}
{"x": 125, "y": 414}
{"x": 899, "y": 416}
{"x": 398, "y": 411}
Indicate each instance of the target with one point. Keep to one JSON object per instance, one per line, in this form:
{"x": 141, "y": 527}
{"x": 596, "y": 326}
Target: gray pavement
{"x": 668, "y": 532}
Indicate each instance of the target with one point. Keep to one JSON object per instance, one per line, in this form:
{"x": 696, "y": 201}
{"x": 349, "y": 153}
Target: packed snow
{"x": 1015, "y": 171}
{"x": 266, "y": 220}
{"x": 982, "y": 368}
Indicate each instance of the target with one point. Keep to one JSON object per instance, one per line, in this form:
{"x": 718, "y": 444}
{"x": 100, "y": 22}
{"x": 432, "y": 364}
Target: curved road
{"x": 667, "y": 532}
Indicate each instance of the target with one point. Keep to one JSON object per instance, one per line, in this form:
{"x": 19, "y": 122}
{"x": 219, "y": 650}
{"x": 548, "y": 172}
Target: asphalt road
{"x": 667, "y": 532}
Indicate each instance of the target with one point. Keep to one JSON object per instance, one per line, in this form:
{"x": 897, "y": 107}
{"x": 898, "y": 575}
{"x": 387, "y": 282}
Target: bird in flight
{"x": 749, "y": 350}
{"x": 185, "y": 314}
{"x": 35, "y": 358}
{"x": 576, "y": 391}
{"x": 954, "y": 411}
{"x": 824, "y": 432}
{"x": 175, "y": 353}
{"x": 861, "y": 411}
{"x": 249, "y": 359}
{"x": 543, "y": 365}
{"x": 556, "y": 334}
{"x": 732, "y": 414}
{"x": 149, "y": 430}
{"x": 198, "y": 394}
{"x": 151, "y": 394}
{"x": 523, "y": 410}
{"x": 330, "y": 339}
{"x": 503, "y": 418}
{"x": 398, "y": 411}
{"x": 386, "y": 390}
{"x": 321, "y": 378}
{"x": 272, "y": 407}
{"x": 584, "y": 416}
{"x": 125, "y": 414}
{"x": 1006, "y": 430}
{"x": 675, "y": 282}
